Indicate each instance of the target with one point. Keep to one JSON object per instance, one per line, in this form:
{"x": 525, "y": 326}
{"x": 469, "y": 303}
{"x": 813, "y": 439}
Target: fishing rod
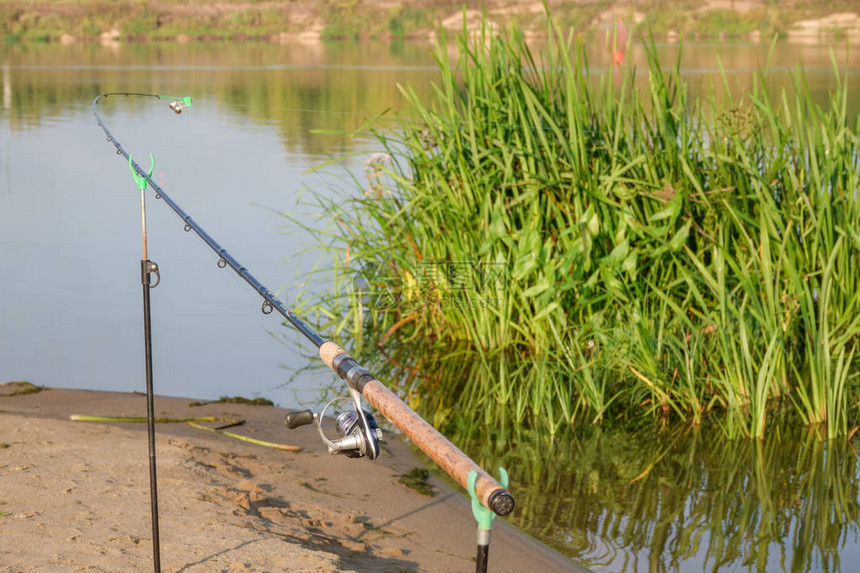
{"x": 358, "y": 433}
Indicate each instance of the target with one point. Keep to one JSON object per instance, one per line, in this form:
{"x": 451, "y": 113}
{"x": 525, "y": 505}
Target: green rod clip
{"x": 184, "y": 100}
{"x": 177, "y": 103}
{"x": 138, "y": 178}
{"x": 483, "y": 516}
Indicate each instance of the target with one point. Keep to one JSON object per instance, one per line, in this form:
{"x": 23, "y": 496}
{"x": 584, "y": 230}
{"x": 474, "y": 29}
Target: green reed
{"x": 595, "y": 246}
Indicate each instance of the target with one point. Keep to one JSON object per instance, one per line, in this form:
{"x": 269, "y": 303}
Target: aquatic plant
{"x": 593, "y": 246}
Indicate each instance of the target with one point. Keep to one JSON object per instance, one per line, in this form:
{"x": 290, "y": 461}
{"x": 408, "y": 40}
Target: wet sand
{"x": 75, "y": 497}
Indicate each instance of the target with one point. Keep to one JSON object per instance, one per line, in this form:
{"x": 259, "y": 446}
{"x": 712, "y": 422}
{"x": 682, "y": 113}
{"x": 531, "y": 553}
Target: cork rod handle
{"x": 448, "y": 456}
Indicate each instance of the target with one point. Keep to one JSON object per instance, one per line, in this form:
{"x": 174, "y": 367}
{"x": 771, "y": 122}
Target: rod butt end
{"x": 502, "y": 502}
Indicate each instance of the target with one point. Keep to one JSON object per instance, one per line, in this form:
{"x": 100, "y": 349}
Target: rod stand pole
{"x": 147, "y": 267}
{"x": 483, "y": 539}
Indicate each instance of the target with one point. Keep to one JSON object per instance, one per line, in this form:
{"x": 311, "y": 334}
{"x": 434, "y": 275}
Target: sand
{"x": 74, "y": 496}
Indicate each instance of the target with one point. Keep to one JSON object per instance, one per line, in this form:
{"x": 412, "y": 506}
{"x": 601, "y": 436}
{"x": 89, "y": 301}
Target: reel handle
{"x": 298, "y": 418}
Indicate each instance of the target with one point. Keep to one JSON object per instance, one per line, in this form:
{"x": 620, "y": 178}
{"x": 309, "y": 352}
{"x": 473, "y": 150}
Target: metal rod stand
{"x": 146, "y": 268}
{"x": 483, "y": 550}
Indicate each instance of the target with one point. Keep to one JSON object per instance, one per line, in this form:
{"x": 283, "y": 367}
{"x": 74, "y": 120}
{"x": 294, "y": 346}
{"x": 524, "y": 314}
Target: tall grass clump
{"x": 544, "y": 246}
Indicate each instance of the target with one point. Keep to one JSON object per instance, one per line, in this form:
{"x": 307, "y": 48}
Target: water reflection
{"x": 682, "y": 498}
{"x": 688, "y": 500}
{"x": 68, "y": 207}
{"x": 299, "y": 89}
{"x": 303, "y": 89}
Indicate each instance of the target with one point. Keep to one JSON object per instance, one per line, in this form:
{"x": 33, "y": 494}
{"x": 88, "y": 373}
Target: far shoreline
{"x": 813, "y": 22}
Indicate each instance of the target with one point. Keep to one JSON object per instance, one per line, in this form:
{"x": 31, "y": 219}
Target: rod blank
{"x": 457, "y": 464}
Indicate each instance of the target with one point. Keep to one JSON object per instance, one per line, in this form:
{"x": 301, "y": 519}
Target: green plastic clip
{"x": 140, "y": 179}
{"x": 483, "y": 516}
{"x": 177, "y": 104}
{"x": 184, "y": 100}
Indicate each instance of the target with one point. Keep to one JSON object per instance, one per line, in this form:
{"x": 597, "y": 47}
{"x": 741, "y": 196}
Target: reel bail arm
{"x": 359, "y": 433}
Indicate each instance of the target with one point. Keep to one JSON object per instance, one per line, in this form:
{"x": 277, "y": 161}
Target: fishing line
{"x": 397, "y": 119}
{"x": 318, "y": 172}
{"x": 294, "y": 151}
{"x": 8, "y": 170}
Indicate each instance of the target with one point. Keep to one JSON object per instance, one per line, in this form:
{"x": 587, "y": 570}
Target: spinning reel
{"x": 358, "y": 432}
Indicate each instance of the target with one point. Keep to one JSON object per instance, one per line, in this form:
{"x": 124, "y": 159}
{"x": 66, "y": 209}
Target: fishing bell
{"x": 176, "y": 106}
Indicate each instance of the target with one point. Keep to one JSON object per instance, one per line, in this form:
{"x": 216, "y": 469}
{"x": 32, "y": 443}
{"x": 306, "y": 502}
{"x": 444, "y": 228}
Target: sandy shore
{"x": 75, "y": 497}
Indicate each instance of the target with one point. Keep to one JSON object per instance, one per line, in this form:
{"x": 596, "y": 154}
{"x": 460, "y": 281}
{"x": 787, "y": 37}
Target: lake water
{"x": 263, "y": 115}
{"x": 69, "y": 209}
